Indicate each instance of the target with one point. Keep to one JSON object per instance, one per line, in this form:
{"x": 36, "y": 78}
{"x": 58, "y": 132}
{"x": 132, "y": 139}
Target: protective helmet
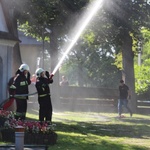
{"x": 39, "y": 71}
{"x": 24, "y": 67}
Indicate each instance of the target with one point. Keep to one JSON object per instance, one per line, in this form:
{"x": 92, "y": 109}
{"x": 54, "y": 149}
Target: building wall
{"x": 7, "y": 42}
{"x": 29, "y": 55}
{"x": 30, "y": 49}
{"x": 3, "y": 26}
{"x": 5, "y": 70}
{"x": 1, "y": 77}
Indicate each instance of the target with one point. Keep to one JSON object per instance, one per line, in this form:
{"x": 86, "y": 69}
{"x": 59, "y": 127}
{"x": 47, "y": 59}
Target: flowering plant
{"x": 6, "y": 114}
{"x": 30, "y": 126}
{"x": 44, "y": 131}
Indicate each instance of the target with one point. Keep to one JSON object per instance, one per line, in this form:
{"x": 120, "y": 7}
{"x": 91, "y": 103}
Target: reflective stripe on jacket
{"x": 43, "y": 95}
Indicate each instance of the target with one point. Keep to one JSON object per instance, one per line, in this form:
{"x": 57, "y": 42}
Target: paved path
{"x": 24, "y": 148}
{"x": 12, "y": 147}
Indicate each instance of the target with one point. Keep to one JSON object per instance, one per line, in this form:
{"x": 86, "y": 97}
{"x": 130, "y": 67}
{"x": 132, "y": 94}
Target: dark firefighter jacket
{"x": 21, "y": 83}
{"x": 42, "y": 86}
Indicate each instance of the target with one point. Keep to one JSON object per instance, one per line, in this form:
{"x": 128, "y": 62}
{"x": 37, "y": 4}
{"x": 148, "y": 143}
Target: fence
{"x": 88, "y": 99}
{"x": 143, "y": 103}
{"x": 95, "y": 99}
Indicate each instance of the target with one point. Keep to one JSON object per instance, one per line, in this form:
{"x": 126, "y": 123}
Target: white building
{"x": 30, "y": 50}
{"x": 7, "y": 43}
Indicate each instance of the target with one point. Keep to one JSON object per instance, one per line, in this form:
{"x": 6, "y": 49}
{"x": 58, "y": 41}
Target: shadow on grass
{"x": 137, "y": 120}
{"x": 90, "y": 143}
{"x": 128, "y": 127}
{"x": 114, "y": 130}
{"x": 76, "y": 135}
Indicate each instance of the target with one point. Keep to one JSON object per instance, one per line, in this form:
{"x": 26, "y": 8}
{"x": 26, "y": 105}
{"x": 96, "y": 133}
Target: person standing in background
{"x": 64, "y": 81}
{"x": 21, "y": 82}
{"x": 44, "y": 96}
{"x": 123, "y": 98}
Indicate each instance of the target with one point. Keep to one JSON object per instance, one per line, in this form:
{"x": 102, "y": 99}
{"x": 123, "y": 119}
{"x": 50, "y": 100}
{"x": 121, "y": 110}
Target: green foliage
{"x": 145, "y": 46}
{"x": 121, "y": 16}
{"x": 89, "y": 37}
{"x": 142, "y": 82}
{"x": 92, "y": 64}
{"x": 36, "y": 15}
{"x": 146, "y": 34}
{"x": 94, "y": 59}
{"x": 75, "y": 5}
{"x": 142, "y": 78}
{"x": 118, "y": 61}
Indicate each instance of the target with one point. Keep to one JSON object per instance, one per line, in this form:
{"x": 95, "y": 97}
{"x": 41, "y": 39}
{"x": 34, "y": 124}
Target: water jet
{"x": 88, "y": 15}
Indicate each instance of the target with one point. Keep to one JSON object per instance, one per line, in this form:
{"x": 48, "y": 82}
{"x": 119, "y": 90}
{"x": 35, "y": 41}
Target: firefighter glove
{"x": 28, "y": 76}
{"x": 47, "y": 74}
{"x": 51, "y": 76}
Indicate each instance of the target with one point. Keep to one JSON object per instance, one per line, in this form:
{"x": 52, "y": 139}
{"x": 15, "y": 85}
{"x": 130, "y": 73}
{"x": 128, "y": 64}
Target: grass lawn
{"x": 100, "y": 131}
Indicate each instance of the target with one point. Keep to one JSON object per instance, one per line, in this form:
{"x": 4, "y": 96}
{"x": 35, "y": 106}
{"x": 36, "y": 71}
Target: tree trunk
{"x": 55, "y": 90}
{"x": 80, "y": 75}
{"x": 128, "y": 67}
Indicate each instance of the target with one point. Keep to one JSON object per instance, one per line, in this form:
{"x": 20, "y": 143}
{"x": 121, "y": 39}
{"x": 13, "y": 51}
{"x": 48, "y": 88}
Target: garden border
{"x": 26, "y": 146}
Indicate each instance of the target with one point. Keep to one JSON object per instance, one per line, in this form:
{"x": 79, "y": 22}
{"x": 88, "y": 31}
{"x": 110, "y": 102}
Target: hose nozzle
{"x": 51, "y": 76}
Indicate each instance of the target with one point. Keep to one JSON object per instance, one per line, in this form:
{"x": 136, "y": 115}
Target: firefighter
{"x": 21, "y": 82}
{"x": 44, "y": 97}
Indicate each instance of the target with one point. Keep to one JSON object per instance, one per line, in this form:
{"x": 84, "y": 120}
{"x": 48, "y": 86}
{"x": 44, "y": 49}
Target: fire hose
{"x": 9, "y": 101}
{"x": 22, "y": 95}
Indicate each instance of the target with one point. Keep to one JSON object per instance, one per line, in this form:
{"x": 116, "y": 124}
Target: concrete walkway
{"x": 26, "y": 147}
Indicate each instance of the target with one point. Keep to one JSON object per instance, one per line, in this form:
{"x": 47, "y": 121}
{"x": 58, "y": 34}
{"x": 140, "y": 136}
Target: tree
{"x": 92, "y": 64}
{"x": 122, "y": 22}
{"x": 36, "y": 15}
{"x": 119, "y": 19}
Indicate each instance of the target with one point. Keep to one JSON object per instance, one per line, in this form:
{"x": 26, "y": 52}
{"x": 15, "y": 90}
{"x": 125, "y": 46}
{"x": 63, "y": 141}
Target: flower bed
{"x": 35, "y": 132}
{"x": 40, "y": 138}
{"x": 2, "y": 121}
{"x": 8, "y": 135}
{"x": 5, "y": 115}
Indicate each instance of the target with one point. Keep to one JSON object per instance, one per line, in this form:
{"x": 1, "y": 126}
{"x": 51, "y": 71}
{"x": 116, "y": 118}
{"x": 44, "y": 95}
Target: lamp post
{"x": 38, "y": 62}
{"x": 43, "y": 47}
{"x": 144, "y": 3}
{"x": 139, "y": 52}
{"x": 44, "y": 31}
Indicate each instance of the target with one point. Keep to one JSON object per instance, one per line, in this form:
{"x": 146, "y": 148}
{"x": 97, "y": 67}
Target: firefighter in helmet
{"x": 21, "y": 82}
{"x": 44, "y": 97}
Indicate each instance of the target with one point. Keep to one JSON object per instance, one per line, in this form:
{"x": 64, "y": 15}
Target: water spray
{"x": 94, "y": 7}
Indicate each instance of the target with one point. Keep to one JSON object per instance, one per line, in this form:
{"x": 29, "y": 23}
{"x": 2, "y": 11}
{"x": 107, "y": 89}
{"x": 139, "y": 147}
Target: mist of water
{"x": 88, "y": 15}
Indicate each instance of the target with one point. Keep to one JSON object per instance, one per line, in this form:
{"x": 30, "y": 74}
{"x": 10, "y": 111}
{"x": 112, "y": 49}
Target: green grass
{"x": 100, "y": 131}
